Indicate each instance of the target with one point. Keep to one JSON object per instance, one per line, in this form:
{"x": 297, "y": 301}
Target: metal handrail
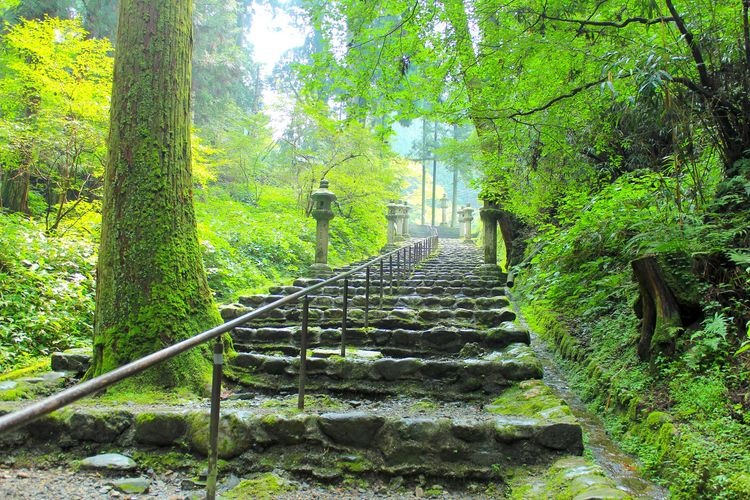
{"x": 421, "y": 249}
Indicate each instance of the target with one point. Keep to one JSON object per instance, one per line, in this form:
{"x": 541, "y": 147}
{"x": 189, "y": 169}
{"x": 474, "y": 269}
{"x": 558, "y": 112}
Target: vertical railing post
{"x": 303, "y": 353}
{"x": 367, "y": 297}
{"x": 213, "y": 433}
{"x": 390, "y": 271}
{"x": 382, "y": 284}
{"x": 344, "y": 317}
{"x": 398, "y": 264}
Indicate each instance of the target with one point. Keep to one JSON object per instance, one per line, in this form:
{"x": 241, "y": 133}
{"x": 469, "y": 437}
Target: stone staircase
{"x": 428, "y": 387}
{"x": 438, "y": 381}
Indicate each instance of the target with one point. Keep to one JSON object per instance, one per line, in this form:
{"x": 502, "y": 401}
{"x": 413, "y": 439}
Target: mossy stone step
{"x": 438, "y": 339}
{"x": 446, "y": 378}
{"x": 389, "y": 302}
{"x": 404, "y": 318}
{"x": 481, "y": 445}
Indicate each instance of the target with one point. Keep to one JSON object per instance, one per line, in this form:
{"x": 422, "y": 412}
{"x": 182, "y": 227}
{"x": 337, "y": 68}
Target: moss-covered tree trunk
{"x": 151, "y": 285}
{"x": 657, "y": 308}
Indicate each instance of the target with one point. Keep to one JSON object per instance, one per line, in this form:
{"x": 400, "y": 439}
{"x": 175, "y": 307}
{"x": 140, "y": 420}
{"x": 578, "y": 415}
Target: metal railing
{"x": 406, "y": 258}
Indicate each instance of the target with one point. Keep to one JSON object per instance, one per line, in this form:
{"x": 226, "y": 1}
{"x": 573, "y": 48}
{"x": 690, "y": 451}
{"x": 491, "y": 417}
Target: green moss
{"x": 424, "y": 405}
{"x": 313, "y": 402}
{"x": 129, "y": 391}
{"x": 354, "y": 463}
{"x": 33, "y": 368}
{"x": 167, "y": 461}
{"x": 530, "y": 398}
{"x": 567, "y": 478}
{"x": 19, "y": 391}
{"x": 262, "y": 487}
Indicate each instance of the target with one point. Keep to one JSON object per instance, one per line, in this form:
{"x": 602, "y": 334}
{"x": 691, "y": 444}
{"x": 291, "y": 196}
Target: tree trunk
{"x": 506, "y": 230}
{"x": 658, "y": 309}
{"x": 14, "y": 195}
{"x": 151, "y": 285}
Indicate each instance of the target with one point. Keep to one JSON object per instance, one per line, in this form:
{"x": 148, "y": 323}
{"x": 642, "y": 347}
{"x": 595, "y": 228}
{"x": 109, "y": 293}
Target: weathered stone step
{"x": 400, "y": 342}
{"x": 455, "y": 291}
{"x": 402, "y": 439}
{"x": 389, "y": 302}
{"x": 447, "y": 378}
{"x": 409, "y": 319}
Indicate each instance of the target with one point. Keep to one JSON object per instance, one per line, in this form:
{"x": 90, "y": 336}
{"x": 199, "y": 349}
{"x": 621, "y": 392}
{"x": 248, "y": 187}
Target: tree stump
{"x": 658, "y": 308}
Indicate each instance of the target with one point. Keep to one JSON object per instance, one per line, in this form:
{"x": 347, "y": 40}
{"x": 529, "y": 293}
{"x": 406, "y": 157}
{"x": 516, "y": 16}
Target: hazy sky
{"x": 272, "y": 34}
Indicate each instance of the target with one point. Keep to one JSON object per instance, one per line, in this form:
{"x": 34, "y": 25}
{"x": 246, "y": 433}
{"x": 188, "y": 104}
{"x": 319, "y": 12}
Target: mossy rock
{"x": 98, "y": 426}
{"x": 12, "y": 390}
{"x": 531, "y": 398}
{"x": 567, "y": 478}
{"x": 159, "y": 429}
{"x": 235, "y": 434}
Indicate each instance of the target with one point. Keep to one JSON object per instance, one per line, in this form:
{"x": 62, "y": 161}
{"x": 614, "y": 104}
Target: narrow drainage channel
{"x": 618, "y": 465}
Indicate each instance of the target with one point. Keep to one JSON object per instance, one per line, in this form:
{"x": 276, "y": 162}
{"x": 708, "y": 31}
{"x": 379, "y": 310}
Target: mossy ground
{"x": 680, "y": 426}
{"x": 262, "y": 487}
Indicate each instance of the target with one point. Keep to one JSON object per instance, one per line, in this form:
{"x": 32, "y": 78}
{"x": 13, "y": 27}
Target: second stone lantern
{"x": 444, "y": 210}
{"x": 322, "y": 212}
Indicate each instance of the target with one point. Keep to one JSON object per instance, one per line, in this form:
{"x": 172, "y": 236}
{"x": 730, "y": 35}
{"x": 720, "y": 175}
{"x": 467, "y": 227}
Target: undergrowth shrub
{"x": 686, "y": 414}
{"x": 46, "y": 290}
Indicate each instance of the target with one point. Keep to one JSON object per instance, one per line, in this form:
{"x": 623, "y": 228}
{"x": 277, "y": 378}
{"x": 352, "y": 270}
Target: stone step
{"x": 409, "y": 319}
{"x": 439, "y": 378}
{"x": 389, "y": 301}
{"x": 332, "y": 438}
{"x": 417, "y": 296}
{"x": 400, "y": 342}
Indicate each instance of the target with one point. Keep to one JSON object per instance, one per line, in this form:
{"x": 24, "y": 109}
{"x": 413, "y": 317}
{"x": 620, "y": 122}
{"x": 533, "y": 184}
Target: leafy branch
{"x": 552, "y": 102}
{"x": 610, "y": 24}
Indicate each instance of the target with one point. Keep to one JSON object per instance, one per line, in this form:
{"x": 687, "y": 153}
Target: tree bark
{"x": 14, "y": 195}
{"x": 658, "y": 309}
{"x": 151, "y": 284}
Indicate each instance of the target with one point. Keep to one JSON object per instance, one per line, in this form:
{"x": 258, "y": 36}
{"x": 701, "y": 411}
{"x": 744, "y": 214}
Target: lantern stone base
{"x": 320, "y": 270}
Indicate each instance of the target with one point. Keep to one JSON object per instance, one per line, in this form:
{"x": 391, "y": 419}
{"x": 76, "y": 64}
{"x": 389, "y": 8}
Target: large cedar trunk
{"x": 658, "y": 309}
{"x": 151, "y": 286}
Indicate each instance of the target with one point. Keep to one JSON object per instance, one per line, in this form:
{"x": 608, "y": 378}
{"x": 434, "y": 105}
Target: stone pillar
{"x": 443, "y": 208}
{"x": 322, "y": 213}
{"x": 405, "y": 227}
{"x": 490, "y": 214}
{"x": 392, "y": 218}
{"x": 468, "y": 217}
{"x": 399, "y": 220}
{"x": 461, "y": 222}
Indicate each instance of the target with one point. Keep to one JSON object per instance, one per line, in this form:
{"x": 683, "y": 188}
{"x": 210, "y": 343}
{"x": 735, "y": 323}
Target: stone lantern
{"x": 490, "y": 214}
{"x": 443, "y": 209}
{"x": 405, "y": 230}
{"x": 468, "y": 217}
{"x": 322, "y": 212}
{"x": 393, "y": 218}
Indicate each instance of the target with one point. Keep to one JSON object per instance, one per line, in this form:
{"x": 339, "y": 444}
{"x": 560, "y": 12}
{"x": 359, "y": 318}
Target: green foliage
{"x": 710, "y": 344}
{"x": 46, "y": 291}
{"x": 247, "y": 247}
{"x": 54, "y": 103}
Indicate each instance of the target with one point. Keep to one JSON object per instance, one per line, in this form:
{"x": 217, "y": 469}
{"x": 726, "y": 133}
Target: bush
{"x": 46, "y": 291}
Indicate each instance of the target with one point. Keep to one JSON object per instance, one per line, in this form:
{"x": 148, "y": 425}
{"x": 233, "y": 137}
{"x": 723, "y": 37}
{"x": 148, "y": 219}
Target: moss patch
{"x": 530, "y": 398}
{"x": 261, "y": 487}
{"x": 570, "y": 477}
{"x": 33, "y": 368}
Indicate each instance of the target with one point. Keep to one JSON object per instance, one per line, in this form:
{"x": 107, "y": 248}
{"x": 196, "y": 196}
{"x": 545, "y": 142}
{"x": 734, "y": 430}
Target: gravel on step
{"x": 60, "y": 482}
